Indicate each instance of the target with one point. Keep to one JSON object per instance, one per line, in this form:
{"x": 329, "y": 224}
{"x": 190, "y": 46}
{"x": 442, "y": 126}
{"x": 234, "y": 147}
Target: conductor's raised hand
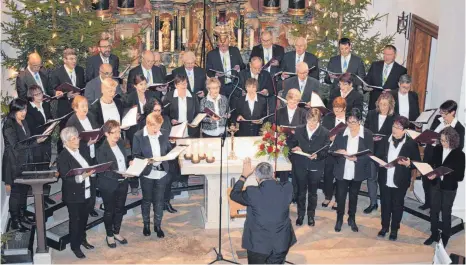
{"x": 247, "y": 167}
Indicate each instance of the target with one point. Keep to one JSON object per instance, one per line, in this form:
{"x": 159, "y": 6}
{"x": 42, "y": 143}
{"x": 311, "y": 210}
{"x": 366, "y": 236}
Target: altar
{"x": 244, "y": 147}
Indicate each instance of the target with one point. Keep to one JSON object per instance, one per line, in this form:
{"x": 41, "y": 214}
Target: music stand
{"x": 37, "y": 179}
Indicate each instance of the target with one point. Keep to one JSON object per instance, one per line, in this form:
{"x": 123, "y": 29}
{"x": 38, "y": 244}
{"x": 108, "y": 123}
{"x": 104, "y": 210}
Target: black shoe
{"x": 26, "y": 220}
{"x": 393, "y": 235}
{"x": 146, "y": 230}
{"x": 338, "y": 224}
{"x": 335, "y": 207}
{"x": 79, "y": 254}
{"x": 424, "y": 207}
{"x": 158, "y": 230}
{"x": 382, "y": 232}
{"x": 431, "y": 239}
{"x": 123, "y": 242}
{"x": 110, "y": 245}
{"x": 352, "y": 224}
{"x": 93, "y": 213}
{"x": 371, "y": 208}
{"x": 325, "y": 205}
{"x": 311, "y": 221}
{"x": 294, "y": 201}
{"x": 17, "y": 225}
{"x": 169, "y": 208}
{"x": 86, "y": 244}
{"x": 49, "y": 201}
{"x": 299, "y": 221}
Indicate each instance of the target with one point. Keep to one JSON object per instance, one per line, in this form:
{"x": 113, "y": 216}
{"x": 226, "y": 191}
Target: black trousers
{"x": 153, "y": 192}
{"x": 114, "y": 204}
{"x": 329, "y": 185}
{"x": 133, "y": 183}
{"x": 442, "y": 200}
{"x": 18, "y": 199}
{"x": 283, "y": 176}
{"x": 78, "y": 214}
{"x": 392, "y": 202}
{"x": 271, "y": 258}
{"x": 168, "y": 188}
{"x": 344, "y": 187}
{"x": 427, "y": 186}
{"x": 210, "y": 136}
{"x": 308, "y": 182}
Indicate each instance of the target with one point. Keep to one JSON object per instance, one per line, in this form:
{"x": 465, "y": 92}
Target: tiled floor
{"x": 187, "y": 242}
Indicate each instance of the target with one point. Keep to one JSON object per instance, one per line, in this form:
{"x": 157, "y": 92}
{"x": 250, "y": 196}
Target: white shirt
{"x": 225, "y": 57}
{"x": 268, "y": 55}
{"x": 119, "y": 157}
{"x": 148, "y": 74}
{"x": 79, "y": 179}
{"x": 182, "y": 108}
{"x": 218, "y": 130}
{"x": 291, "y": 113}
{"x": 72, "y": 74}
{"x": 254, "y": 76}
{"x": 387, "y": 73}
{"x": 393, "y": 153}
{"x": 347, "y": 58}
{"x": 104, "y": 59}
{"x": 302, "y": 84}
{"x": 251, "y": 102}
{"x": 155, "y": 147}
{"x": 403, "y": 104}
{"x": 190, "y": 75}
{"x": 382, "y": 119}
{"x": 311, "y": 133}
{"x": 445, "y": 153}
{"x": 300, "y": 58}
{"x": 110, "y": 111}
{"x": 88, "y": 127}
{"x": 338, "y": 121}
{"x": 442, "y": 126}
{"x": 141, "y": 106}
{"x": 38, "y": 80}
{"x": 40, "y": 109}
{"x": 351, "y": 148}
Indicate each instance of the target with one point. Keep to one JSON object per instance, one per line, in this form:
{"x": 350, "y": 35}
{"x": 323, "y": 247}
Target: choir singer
{"x": 268, "y": 233}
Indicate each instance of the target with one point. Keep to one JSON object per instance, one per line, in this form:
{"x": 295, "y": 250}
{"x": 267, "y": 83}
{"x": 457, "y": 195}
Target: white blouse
{"x": 110, "y": 111}
{"x": 351, "y": 148}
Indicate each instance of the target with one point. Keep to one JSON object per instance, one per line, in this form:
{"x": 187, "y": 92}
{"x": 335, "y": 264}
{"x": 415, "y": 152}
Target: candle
{"x": 172, "y": 41}
{"x": 201, "y": 150}
{"x": 183, "y": 36}
{"x": 209, "y": 151}
{"x": 160, "y": 41}
{"x": 240, "y": 38}
{"x": 195, "y": 149}
{"x": 148, "y": 40}
{"x": 122, "y": 37}
{"x": 251, "y": 39}
{"x": 195, "y": 157}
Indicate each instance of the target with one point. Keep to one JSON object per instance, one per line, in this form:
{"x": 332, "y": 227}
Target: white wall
{"x": 5, "y": 85}
{"x": 427, "y": 9}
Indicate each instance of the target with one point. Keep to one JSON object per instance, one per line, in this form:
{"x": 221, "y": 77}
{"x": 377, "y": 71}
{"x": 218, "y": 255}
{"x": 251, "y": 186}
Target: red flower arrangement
{"x": 273, "y": 143}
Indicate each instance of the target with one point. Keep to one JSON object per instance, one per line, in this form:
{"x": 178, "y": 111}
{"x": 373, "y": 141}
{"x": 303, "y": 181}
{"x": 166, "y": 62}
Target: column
{"x": 296, "y": 7}
{"x": 126, "y": 7}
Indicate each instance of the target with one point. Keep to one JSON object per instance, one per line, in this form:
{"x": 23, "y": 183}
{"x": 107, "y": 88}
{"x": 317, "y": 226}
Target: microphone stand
{"x": 222, "y": 144}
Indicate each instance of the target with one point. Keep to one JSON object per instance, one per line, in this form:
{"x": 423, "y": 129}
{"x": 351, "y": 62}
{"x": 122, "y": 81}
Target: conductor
{"x": 268, "y": 234}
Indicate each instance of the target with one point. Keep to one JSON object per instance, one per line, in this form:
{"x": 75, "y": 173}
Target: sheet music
{"x": 316, "y": 101}
{"x": 425, "y": 116}
{"x": 130, "y": 119}
{"x": 136, "y": 168}
{"x": 424, "y": 168}
{"x": 413, "y": 134}
{"x": 177, "y": 131}
{"x": 199, "y": 117}
{"x": 441, "y": 255}
{"x": 173, "y": 154}
{"x": 366, "y": 84}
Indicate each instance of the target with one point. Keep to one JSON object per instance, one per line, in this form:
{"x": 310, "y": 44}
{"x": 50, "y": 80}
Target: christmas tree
{"x": 334, "y": 19}
{"x": 50, "y": 26}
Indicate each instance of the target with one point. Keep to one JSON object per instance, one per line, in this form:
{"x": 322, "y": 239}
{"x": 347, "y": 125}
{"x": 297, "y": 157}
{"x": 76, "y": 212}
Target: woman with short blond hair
{"x": 214, "y": 126}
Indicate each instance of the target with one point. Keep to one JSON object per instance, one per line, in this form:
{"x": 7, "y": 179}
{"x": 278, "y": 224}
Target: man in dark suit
{"x": 265, "y": 88}
{"x": 33, "y": 75}
{"x": 158, "y": 62}
{"x": 93, "y": 91}
{"x": 406, "y": 100}
{"x": 346, "y": 62}
{"x": 196, "y": 75}
{"x": 70, "y": 73}
{"x": 268, "y": 233}
{"x": 104, "y": 56}
{"x": 268, "y": 51}
{"x": 291, "y": 59}
{"x": 384, "y": 73}
{"x": 303, "y": 82}
{"x": 153, "y": 74}
{"x": 225, "y": 58}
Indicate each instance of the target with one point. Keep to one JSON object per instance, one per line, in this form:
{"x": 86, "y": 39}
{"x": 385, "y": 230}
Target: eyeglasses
{"x": 115, "y": 132}
{"x": 107, "y": 73}
{"x": 105, "y": 47}
{"x": 397, "y": 127}
{"x": 338, "y": 109}
{"x": 443, "y": 140}
{"x": 353, "y": 122}
{"x": 37, "y": 94}
{"x": 444, "y": 112}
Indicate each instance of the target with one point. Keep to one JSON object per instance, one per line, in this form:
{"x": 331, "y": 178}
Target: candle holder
{"x": 202, "y": 156}
{"x": 195, "y": 160}
{"x": 210, "y": 160}
{"x": 188, "y": 156}
{"x": 232, "y": 130}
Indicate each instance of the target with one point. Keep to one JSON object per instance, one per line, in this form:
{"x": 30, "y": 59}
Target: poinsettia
{"x": 273, "y": 142}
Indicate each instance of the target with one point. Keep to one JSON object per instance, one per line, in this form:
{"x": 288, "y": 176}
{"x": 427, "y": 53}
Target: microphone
{"x": 224, "y": 73}
{"x": 232, "y": 182}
